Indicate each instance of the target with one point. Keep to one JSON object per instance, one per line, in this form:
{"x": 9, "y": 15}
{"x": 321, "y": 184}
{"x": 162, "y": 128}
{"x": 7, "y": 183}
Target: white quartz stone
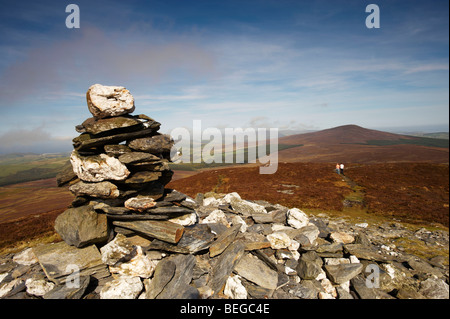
{"x": 216, "y": 216}
{"x": 139, "y": 266}
{"x": 26, "y": 257}
{"x": 234, "y": 288}
{"x": 279, "y": 240}
{"x": 98, "y": 168}
{"x": 297, "y": 218}
{"x": 123, "y": 287}
{"x": 38, "y": 287}
{"x": 105, "y": 101}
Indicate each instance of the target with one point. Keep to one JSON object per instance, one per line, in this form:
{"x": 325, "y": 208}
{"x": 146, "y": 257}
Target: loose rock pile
{"x": 126, "y": 236}
{"x": 119, "y": 167}
{"x": 237, "y": 249}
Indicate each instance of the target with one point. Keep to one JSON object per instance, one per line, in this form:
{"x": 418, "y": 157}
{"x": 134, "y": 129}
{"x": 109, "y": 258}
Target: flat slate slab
{"x": 178, "y": 286}
{"x": 253, "y": 269}
{"x": 195, "y": 238}
{"x": 61, "y": 260}
{"x": 225, "y": 265}
{"x": 162, "y": 230}
{"x": 342, "y": 272}
{"x": 164, "y": 272}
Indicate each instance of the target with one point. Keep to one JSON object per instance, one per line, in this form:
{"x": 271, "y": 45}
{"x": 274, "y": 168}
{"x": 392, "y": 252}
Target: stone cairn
{"x": 127, "y": 236}
{"x": 119, "y": 167}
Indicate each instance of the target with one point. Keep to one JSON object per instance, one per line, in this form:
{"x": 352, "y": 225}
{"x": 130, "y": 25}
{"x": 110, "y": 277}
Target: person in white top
{"x": 342, "y": 169}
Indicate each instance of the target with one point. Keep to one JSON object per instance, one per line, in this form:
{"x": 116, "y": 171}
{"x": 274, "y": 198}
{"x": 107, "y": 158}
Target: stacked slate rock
{"x": 118, "y": 171}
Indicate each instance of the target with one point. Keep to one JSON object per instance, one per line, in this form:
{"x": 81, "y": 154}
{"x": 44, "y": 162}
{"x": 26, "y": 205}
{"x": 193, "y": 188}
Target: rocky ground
{"x": 240, "y": 249}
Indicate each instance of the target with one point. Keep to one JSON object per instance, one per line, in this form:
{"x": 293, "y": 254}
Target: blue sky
{"x": 300, "y": 65}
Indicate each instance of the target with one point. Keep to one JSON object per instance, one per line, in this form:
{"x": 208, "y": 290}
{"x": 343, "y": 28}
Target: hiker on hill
{"x": 341, "y": 168}
{"x": 338, "y": 168}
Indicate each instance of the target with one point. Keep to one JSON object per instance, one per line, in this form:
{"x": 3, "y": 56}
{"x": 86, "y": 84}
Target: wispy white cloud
{"x": 428, "y": 67}
{"x": 95, "y": 57}
{"x": 36, "y": 140}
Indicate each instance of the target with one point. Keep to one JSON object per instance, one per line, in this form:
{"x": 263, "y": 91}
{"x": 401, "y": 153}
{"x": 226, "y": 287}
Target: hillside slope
{"x": 411, "y": 192}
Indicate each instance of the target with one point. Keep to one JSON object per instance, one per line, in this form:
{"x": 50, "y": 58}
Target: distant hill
{"x": 353, "y": 143}
{"x": 24, "y": 167}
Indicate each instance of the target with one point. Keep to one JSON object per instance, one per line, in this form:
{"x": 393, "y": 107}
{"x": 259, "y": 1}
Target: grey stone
{"x": 110, "y": 210}
{"x": 311, "y": 232}
{"x": 305, "y": 290}
{"x": 421, "y": 266}
{"x": 178, "y": 287}
{"x": 100, "y": 189}
{"x": 195, "y": 238}
{"x": 264, "y": 255}
{"x": 170, "y": 210}
{"x": 309, "y": 265}
{"x": 438, "y": 261}
{"x": 86, "y": 141}
{"x": 156, "y": 144}
{"x": 343, "y": 294}
{"x": 134, "y": 157}
{"x": 116, "y": 150}
{"x": 224, "y": 266}
{"x": 162, "y": 230}
{"x": 246, "y": 208}
{"x": 330, "y": 248}
{"x": 253, "y": 241}
{"x": 408, "y": 292}
{"x": 61, "y": 260}
{"x": 434, "y": 288}
{"x": 257, "y": 292}
{"x": 324, "y": 231}
{"x": 172, "y": 195}
{"x": 143, "y": 177}
{"x": 262, "y": 218}
{"x": 364, "y": 252}
{"x": 342, "y": 272}
{"x": 74, "y": 291}
{"x": 279, "y": 215}
{"x": 256, "y": 271}
{"x": 223, "y": 241}
{"x": 82, "y": 226}
{"x": 164, "y": 272}
{"x": 359, "y": 285}
{"x": 110, "y": 125}
{"x": 12, "y": 288}
{"x": 65, "y": 175}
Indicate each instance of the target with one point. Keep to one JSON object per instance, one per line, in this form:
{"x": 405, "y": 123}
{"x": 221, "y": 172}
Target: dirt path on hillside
{"x": 356, "y": 197}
